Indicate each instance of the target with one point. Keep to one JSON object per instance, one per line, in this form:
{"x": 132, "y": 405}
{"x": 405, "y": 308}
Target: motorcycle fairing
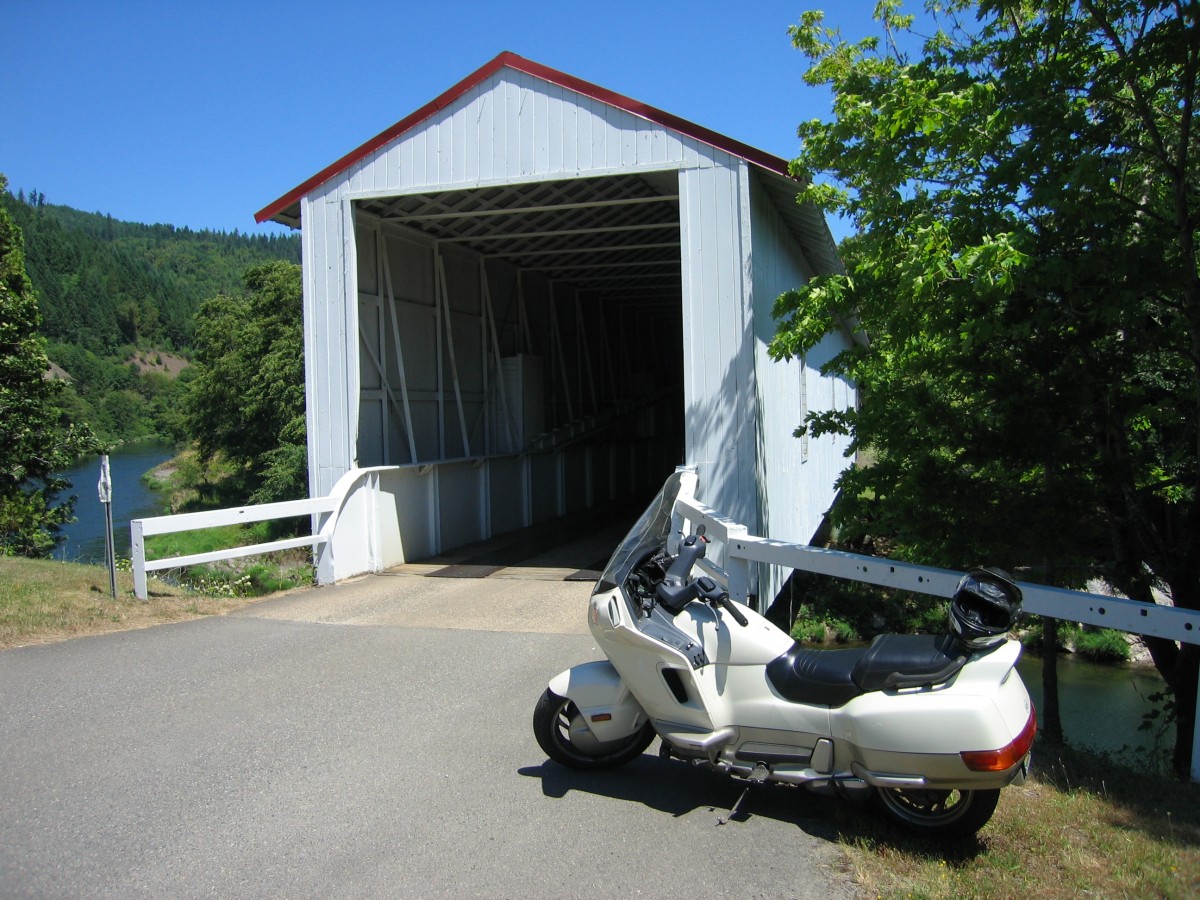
{"x": 602, "y": 697}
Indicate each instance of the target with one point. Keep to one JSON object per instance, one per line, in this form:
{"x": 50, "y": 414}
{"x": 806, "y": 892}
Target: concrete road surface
{"x": 368, "y": 740}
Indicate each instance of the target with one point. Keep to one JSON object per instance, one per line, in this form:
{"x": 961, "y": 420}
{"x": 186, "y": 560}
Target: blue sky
{"x": 201, "y": 113}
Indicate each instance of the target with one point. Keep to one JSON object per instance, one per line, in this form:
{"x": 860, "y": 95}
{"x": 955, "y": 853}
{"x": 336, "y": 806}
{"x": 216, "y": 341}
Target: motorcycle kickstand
{"x": 758, "y": 776}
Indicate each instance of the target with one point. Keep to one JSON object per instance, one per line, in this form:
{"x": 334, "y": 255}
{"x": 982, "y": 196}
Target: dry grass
{"x": 43, "y": 601}
{"x": 1079, "y": 827}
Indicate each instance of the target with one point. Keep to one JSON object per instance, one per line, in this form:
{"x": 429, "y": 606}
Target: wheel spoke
{"x": 564, "y": 733}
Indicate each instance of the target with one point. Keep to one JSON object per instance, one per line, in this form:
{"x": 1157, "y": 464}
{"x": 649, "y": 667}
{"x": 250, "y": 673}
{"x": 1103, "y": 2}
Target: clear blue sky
{"x": 201, "y": 113}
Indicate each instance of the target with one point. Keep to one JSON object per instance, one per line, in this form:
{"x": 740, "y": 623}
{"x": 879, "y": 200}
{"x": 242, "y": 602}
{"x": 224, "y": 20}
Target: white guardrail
{"x": 734, "y": 551}
{"x": 354, "y": 492}
{"x": 140, "y": 529}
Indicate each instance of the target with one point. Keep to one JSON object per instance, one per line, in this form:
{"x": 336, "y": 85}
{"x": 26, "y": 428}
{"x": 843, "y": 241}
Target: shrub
{"x": 1102, "y": 645}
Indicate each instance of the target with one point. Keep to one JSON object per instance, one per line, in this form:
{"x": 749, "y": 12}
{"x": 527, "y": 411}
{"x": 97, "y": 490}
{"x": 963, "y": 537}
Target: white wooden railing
{"x": 140, "y": 529}
{"x": 347, "y": 538}
{"x": 734, "y": 553}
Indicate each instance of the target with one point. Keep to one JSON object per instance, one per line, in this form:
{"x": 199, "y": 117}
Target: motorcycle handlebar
{"x": 690, "y": 551}
{"x": 675, "y": 591}
{"x": 712, "y": 592}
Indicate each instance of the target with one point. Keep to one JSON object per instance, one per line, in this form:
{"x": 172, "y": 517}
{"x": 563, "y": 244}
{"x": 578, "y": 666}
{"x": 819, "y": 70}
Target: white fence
{"x": 350, "y": 525}
{"x": 140, "y": 529}
{"x": 383, "y": 516}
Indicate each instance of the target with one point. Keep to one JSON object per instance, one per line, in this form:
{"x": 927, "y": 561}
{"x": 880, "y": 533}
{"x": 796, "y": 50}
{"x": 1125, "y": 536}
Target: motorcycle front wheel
{"x": 565, "y": 737}
{"x": 938, "y": 813}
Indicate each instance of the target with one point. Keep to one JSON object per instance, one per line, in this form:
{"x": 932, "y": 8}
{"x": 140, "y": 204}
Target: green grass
{"x": 1078, "y": 827}
{"x": 1102, "y": 645}
{"x": 241, "y": 577}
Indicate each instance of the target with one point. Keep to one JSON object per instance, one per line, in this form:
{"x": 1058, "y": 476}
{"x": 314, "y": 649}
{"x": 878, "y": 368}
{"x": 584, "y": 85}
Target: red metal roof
{"x": 520, "y": 64}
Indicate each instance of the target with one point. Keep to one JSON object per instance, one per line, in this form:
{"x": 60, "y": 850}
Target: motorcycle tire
{"x": 565, "y": 737}
{"x": 938, "y": 813}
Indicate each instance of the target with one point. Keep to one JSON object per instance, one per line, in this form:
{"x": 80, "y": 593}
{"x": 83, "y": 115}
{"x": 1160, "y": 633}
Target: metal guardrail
{"x": 738, "y": 550}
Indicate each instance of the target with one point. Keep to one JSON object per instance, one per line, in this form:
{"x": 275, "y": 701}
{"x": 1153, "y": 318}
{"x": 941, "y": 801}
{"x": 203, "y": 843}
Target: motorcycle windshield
{"x": 648, "y": 534}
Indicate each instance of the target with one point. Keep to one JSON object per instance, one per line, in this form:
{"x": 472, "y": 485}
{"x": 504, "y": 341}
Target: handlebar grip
{"x": 730, "y": 607}
{"x": 691, "y": 550}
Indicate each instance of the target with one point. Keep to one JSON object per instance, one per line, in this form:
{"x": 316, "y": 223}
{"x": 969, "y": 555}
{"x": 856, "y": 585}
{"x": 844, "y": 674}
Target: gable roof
{"x": 508, "y": 60}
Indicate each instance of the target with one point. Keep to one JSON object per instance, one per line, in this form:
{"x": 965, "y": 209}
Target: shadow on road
{"x": 677, "y": 788}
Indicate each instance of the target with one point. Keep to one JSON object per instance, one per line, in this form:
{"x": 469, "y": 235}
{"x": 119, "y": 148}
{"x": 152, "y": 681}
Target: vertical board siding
{"x": 512, "y": 127}
{"x": 516, "y": 127}
{"x": 718, "y": 361}
{"x": 796, "y": 490}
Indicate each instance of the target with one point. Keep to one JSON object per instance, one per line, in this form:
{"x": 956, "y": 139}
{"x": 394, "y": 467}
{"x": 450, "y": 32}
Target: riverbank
{"x": 1079, "y": 826}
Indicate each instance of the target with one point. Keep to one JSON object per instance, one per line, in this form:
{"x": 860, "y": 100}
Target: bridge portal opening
{"x": 521, "y": 347}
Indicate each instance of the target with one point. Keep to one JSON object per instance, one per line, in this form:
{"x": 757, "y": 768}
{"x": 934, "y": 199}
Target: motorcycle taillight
{"x": 1006, "y": 757}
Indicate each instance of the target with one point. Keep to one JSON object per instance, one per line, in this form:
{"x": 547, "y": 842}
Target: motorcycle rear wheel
{"x": 565, "y": 737}
{"x": 938, "y": 813}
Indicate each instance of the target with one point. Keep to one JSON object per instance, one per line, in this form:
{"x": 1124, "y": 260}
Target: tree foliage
{"x": 35, "y": 440}
{"x": 247, "y": 399}
{"x": 1024, "y": 186}
{"x": 105, "y": 284}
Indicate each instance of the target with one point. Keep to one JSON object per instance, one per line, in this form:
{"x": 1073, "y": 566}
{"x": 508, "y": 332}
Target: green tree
{"x": 247, "y": 398}
{"x": 1024, "y": 188}
{"x": 35, "y": 441}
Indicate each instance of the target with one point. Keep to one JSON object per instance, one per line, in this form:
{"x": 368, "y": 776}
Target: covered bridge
{"x": 533, "y": 295}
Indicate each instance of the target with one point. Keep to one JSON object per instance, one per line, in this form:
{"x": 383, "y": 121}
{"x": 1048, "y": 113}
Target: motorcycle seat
{"x": 834, "y": 677}
{"x": 824, "y": 677}
{"x": 908, "y": 660}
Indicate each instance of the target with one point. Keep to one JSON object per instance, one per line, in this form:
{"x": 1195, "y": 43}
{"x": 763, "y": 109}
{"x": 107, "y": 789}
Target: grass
{"x": 1078, "y": 827}
{"x": 45, "y": 600}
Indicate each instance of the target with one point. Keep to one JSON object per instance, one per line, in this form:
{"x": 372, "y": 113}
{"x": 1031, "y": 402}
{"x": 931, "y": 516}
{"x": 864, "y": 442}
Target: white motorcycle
{"x": 929, "y": 727}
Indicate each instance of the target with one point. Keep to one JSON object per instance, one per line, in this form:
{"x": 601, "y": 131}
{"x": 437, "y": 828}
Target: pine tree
{"x": 35, "y": 442}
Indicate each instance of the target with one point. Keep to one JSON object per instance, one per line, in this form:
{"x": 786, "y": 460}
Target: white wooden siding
{"x": 796, "y": 488}
{"x": 514, "y": 127}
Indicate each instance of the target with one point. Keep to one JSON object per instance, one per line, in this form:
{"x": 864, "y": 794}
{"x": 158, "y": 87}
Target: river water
{"x": 83, "y": 541}
{"x": 1101, "y": 706}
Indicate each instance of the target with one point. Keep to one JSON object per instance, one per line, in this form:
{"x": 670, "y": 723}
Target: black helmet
{"x": 985, "y": 607}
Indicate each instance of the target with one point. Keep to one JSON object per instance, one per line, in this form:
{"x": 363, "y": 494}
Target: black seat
{"x": 908, "y": 660}
{"x": 815, "y": 676}
{"x": 833, "y": 677}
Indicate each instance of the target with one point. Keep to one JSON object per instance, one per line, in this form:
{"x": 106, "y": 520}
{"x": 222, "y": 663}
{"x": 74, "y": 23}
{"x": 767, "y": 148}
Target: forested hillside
{"x": 104, "y": 284}
{"x": 118, "y": 301}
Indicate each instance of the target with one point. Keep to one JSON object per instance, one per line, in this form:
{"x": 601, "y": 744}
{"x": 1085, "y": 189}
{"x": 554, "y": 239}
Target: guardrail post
{"x": 137, "y": 550}
{"x": 1196, "y": 740}
{"x": 737, "y": 567}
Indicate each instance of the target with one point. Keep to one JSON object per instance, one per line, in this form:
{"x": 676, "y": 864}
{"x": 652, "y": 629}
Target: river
{"x": 1101, "y": 706}
{"x": 83, "y": 541}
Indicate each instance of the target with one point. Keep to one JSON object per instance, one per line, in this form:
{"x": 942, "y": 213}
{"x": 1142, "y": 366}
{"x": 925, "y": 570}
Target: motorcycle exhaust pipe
{"x": 843, "y": 786}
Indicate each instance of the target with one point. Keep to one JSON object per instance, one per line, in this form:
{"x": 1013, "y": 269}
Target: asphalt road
{"x": 348, "y": 742}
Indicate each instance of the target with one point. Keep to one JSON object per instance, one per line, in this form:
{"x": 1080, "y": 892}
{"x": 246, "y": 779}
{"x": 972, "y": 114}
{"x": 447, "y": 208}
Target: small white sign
{"x": 105, "y": 484}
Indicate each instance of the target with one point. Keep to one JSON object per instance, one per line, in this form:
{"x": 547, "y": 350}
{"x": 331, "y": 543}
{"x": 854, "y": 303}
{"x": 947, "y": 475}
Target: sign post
{"x": 105, "y": 489}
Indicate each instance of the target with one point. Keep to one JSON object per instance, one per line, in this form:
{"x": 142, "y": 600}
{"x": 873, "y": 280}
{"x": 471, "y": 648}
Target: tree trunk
{"x": 1184, "y": 683}
{"x": 1052, "y": 730}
